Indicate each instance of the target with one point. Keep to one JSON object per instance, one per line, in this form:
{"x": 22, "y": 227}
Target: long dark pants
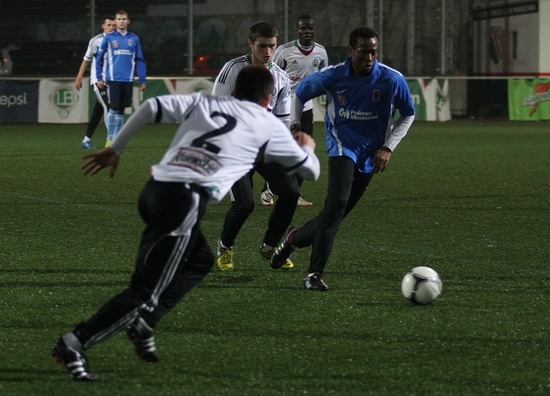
{"x": 346, "y": 185}
{"x": 242, "y": 192}
{"x": 173, "y": 257}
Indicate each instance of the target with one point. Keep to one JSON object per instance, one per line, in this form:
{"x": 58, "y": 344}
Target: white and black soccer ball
{"x": 422, "y": 285}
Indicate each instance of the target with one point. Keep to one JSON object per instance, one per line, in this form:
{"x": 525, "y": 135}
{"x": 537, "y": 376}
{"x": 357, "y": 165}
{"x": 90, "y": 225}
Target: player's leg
{"x": 306, "y": 121}
{"x": 171, "y": 211}
{"x": 242, "y": 205}
{"x": 102, "y": 96}
{"x": 114, "y": 94}
{"x": 321, "y": 230}
{"x": 286, "y": 188}
{"x": 95, "y": 118}
{"x": 120, "y": 97}
{"x": 197, "y": 266}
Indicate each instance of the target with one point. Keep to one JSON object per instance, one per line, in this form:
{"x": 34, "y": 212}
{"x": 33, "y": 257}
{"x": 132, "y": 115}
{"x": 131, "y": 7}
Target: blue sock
{"x": 119, "y": 121}
{"x": 111, "y": 122}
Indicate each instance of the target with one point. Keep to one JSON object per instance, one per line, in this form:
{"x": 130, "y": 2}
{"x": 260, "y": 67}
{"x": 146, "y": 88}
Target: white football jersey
{"x": 280, "y": 102}
{"x": 219, "y": 140}
{"x": 89, "y": 56}
{"x": 298, "y": 63}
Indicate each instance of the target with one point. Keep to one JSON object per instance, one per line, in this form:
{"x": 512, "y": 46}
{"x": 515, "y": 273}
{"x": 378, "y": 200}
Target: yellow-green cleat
{"x": 225, "y": 258}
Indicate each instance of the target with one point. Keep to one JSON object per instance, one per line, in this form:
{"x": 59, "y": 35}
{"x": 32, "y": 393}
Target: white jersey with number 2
{"x": 219, "y": 139}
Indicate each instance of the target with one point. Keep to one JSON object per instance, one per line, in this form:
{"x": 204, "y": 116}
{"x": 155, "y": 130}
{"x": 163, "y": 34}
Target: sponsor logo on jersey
{"x": 196, "y": 159}
{"x": 123, "y": 52}
{"x": 357, "y": 115}
{"x": 64, "y": 98}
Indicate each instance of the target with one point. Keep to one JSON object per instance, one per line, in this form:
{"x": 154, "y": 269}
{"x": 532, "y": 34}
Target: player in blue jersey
{"x": 362, "y": 97}
{"x": 218, "y": 140}
{"x": 101, "y": 106}
{"x": 121, "y": 55}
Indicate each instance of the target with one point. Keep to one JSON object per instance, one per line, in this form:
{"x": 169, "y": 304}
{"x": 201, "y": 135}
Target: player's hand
{"x": 101, "y": 159}
{"x": 381, "y": 160}
{"x": 78, "y": 84}
{"x": 303, "y": 139}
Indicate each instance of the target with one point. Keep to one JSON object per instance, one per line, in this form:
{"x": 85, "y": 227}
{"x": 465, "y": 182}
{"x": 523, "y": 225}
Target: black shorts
{"x": 120, "y": 94}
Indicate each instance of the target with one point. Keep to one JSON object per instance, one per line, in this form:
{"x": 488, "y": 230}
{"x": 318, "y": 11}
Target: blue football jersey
{"x": 123, "y": 58}
{"x": 360, "y": 111}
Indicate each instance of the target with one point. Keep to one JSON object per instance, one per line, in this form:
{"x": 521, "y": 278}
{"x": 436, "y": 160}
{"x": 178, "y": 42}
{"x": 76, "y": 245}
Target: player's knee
{"x": 244, "y": 206}
{"x": 116, "y": 108}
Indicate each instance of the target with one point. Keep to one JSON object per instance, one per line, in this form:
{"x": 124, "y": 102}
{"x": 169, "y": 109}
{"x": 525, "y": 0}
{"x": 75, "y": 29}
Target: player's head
{"x": 262, "y": 40}
{"x": 305, "y": 27}
{"x": 122, "y": 19}
{"x": 363, "y": 47}
{"x": 255, "y": 84}
{"x": 108, "y": 24}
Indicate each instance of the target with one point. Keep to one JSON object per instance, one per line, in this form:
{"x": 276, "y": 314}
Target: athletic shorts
{"x": 120, "y": 94}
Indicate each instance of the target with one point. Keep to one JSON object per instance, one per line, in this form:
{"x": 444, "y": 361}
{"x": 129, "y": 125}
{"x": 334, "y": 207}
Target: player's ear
{"x": 266, "y": 100}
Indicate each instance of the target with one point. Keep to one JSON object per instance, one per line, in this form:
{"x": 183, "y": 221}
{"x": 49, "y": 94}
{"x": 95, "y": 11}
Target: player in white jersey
{"x": 262, "y": 40}
{"x": 300, "y": 58}
{"x": 219, "y": 140}
{"x": 101, "y": 107}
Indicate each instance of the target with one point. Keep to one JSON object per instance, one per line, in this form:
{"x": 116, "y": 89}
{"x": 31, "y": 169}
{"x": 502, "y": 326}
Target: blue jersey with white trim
{"x": 360, "y": 110}
{"x": 123, "y": 58}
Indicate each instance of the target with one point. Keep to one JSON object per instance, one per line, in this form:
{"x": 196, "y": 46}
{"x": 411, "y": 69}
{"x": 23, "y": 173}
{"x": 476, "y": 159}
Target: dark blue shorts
{"x": 120, "y": 95}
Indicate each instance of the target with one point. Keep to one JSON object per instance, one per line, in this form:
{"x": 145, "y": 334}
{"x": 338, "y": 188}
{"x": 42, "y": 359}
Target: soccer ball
{"x": 422, "y": 285}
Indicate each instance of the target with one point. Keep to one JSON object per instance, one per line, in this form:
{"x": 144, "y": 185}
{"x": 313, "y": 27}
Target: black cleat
{"x": 284, "y": 250}
{"x": 144, "y": 341}
{"x": 74, "y": 361}
{"x": 314, "y": 281}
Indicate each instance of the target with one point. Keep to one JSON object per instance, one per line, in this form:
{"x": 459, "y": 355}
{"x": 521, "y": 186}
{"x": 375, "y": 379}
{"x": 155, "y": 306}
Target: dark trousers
{"x": 98, "y": 111}
{"x": 306, "y": 121}
{"x": 173, "y": 257}
{"x": 346, "y": 185}
{"x": 242, "y": 192}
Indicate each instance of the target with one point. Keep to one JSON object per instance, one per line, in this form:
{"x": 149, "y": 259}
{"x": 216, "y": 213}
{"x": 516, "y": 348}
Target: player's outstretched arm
{"x": 101, "y": 159}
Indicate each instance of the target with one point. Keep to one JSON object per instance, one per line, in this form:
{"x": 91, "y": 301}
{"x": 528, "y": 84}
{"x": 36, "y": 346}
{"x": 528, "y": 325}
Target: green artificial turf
{"x": 469, "y": 198}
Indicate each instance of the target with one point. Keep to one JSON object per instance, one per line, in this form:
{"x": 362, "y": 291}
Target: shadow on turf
{"x": 23, "y": 374}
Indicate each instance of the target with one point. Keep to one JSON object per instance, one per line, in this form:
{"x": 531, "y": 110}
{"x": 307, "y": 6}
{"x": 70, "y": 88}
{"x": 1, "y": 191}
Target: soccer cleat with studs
{"x": 266, "y": 197}
{"x": 314, "y": 281}
{"x": 225, "y": 258}
{"x": 284, "y": 250}
{"x": 88, "y": 145}
{"x": 303, "y": 202}
{"x": 144, "y": 341}
{"x": 74, "y": 361}
{"x": 267, "y": 255}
